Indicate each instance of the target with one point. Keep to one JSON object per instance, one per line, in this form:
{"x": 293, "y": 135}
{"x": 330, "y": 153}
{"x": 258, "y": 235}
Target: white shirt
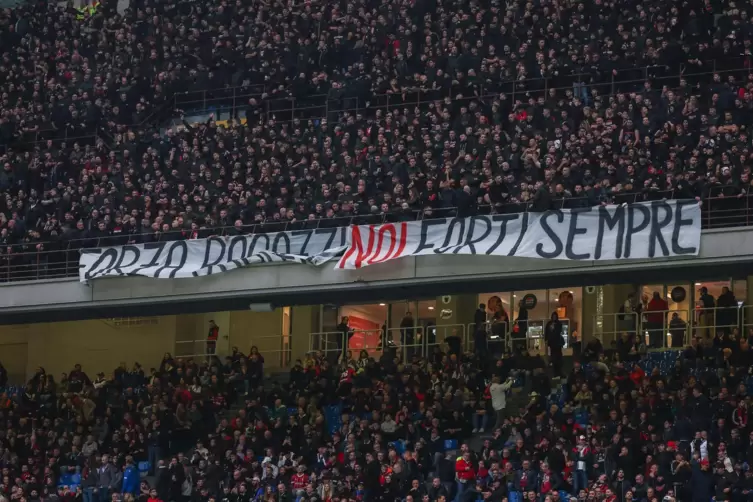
{"x": 497, "y": 391}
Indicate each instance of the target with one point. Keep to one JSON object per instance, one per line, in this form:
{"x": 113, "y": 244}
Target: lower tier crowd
{"x": 619, "y": 427}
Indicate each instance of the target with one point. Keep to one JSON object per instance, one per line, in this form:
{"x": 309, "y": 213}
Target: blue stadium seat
{"x": 333, "y": 418}
{"x": 144, "y": 466}
{"x": 399, "y": 446}
{"x": 450, "y": 444}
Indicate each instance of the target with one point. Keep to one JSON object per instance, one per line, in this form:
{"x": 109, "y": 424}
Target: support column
{"x": 612, "y": 297}
{"x": 305, "y": 320}
{"x": 190, "y": 335}
{"x": 455, "y": 316}
{"x": 747, "y": 316}
{"x": 593, "y": 304}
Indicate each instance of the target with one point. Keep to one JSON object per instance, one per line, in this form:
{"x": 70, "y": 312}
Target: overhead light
{"x": 556, "y": 299}
{"x": 571, "y": 292}
{"x": 514, "y": 296}
{"x": 431, "y": 308}
{"x": 697, "y": 283}
{"x": 381, "y": 304}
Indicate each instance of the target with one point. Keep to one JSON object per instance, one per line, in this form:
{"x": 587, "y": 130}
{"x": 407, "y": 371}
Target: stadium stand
{"x": 180, "y": 119}
{"x": 357, "y": 113}
{"x": 622, "y": 425}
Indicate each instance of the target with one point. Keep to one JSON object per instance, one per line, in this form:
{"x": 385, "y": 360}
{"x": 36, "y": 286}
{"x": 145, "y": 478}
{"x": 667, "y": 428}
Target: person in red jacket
{"x": 465, "y": 473}
{"x": 153, "y": 497}
{"x": 656, "y": 316}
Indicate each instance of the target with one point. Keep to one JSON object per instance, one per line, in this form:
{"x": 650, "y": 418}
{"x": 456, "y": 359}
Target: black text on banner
{"x": 659, "y": 229}
{"x": 194, "y": 258}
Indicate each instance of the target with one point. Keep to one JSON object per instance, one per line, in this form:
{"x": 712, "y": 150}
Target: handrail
{"x": 257, "y": 90}
{"x": 271, "y": 226}
{"x": 56, "y": 259}
{"x": 323, "y": 102}
{"x": 38, "y": 142}
{"x": 323, "y": 105}
{"x": 656, "y": 329}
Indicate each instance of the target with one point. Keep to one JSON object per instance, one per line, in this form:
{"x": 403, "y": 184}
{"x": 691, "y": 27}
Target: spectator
{"x": 131, "y": 480}
{"x": 465, "y": 474}
{"x": 368, "y": 120}
{"x": 727, "y": 311}
{"x": 677, "y": 329}
{"x": 480, "y": 330}
{"x": 498, "y": 394}
{"x": 408, "y": 331}
{"x": 706, "y": 306}
{"x": 656, "y": 320}
{"x": 554, "y": 342}
{"x": 344, "y": 334}
{"x": 106, "y": 478}
{"x": 212, "y": 337}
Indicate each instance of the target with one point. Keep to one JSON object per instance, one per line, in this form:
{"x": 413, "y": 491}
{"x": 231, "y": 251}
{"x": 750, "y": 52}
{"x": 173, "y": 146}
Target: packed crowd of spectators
{"x": 372, "y": 427}
{"x": 523, "y": 105}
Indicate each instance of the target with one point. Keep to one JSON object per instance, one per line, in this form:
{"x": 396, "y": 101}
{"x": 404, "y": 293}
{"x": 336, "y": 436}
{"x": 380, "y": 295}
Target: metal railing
{"x": 195, "y": 348}
{"x": 497, "y": 336}
{"x": 406, "y": 342}
{"x": 40, "y": 140}
{"x": 34, "y": 260}
{"x": 727, "y": 210}
{"x": 319, "y": 106}
{"x": 664, "y": 329}
{"x": 623, "y": 80}
{"x": 44, "y": 260}
{"x": 610, "y": 326}
{"x": 276, "y": 351}
{"x": 332, "y": 344}
{"x": 670, "y": 329}
{"x": 330, "y": 106}
{"x": 422, "y": 340}
{"x": 221, "y": 97}
{"x": 335, "y": 345}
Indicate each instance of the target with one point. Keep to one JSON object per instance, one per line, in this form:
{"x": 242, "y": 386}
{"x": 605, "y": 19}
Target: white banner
{"x": 657, "y": 229}
{"x": 195, "y": 258}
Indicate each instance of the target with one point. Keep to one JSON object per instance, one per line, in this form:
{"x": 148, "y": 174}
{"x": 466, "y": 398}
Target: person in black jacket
{"x": 555, "y": 342}
{"x": 702, "y": 482}
{"x": 479, "y": 335}
{"x": 372, "y": 472}
{"x": 446, "y": 471}
{"x": 344, "y": 334}
{"x": 437, "y": 489}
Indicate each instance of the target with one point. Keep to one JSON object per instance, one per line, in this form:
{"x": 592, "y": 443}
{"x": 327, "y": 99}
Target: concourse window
{"x": 533, "y": 309}
{"x": 680, "y": 314}
{"x": 716, "y": 308}
{"x": 498, "y": 306}
{"x": 402, "y": 317}
{"x": 568, "y": 304}
{"x": 365, "y": 323}
{"x": 427, "y": 321}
